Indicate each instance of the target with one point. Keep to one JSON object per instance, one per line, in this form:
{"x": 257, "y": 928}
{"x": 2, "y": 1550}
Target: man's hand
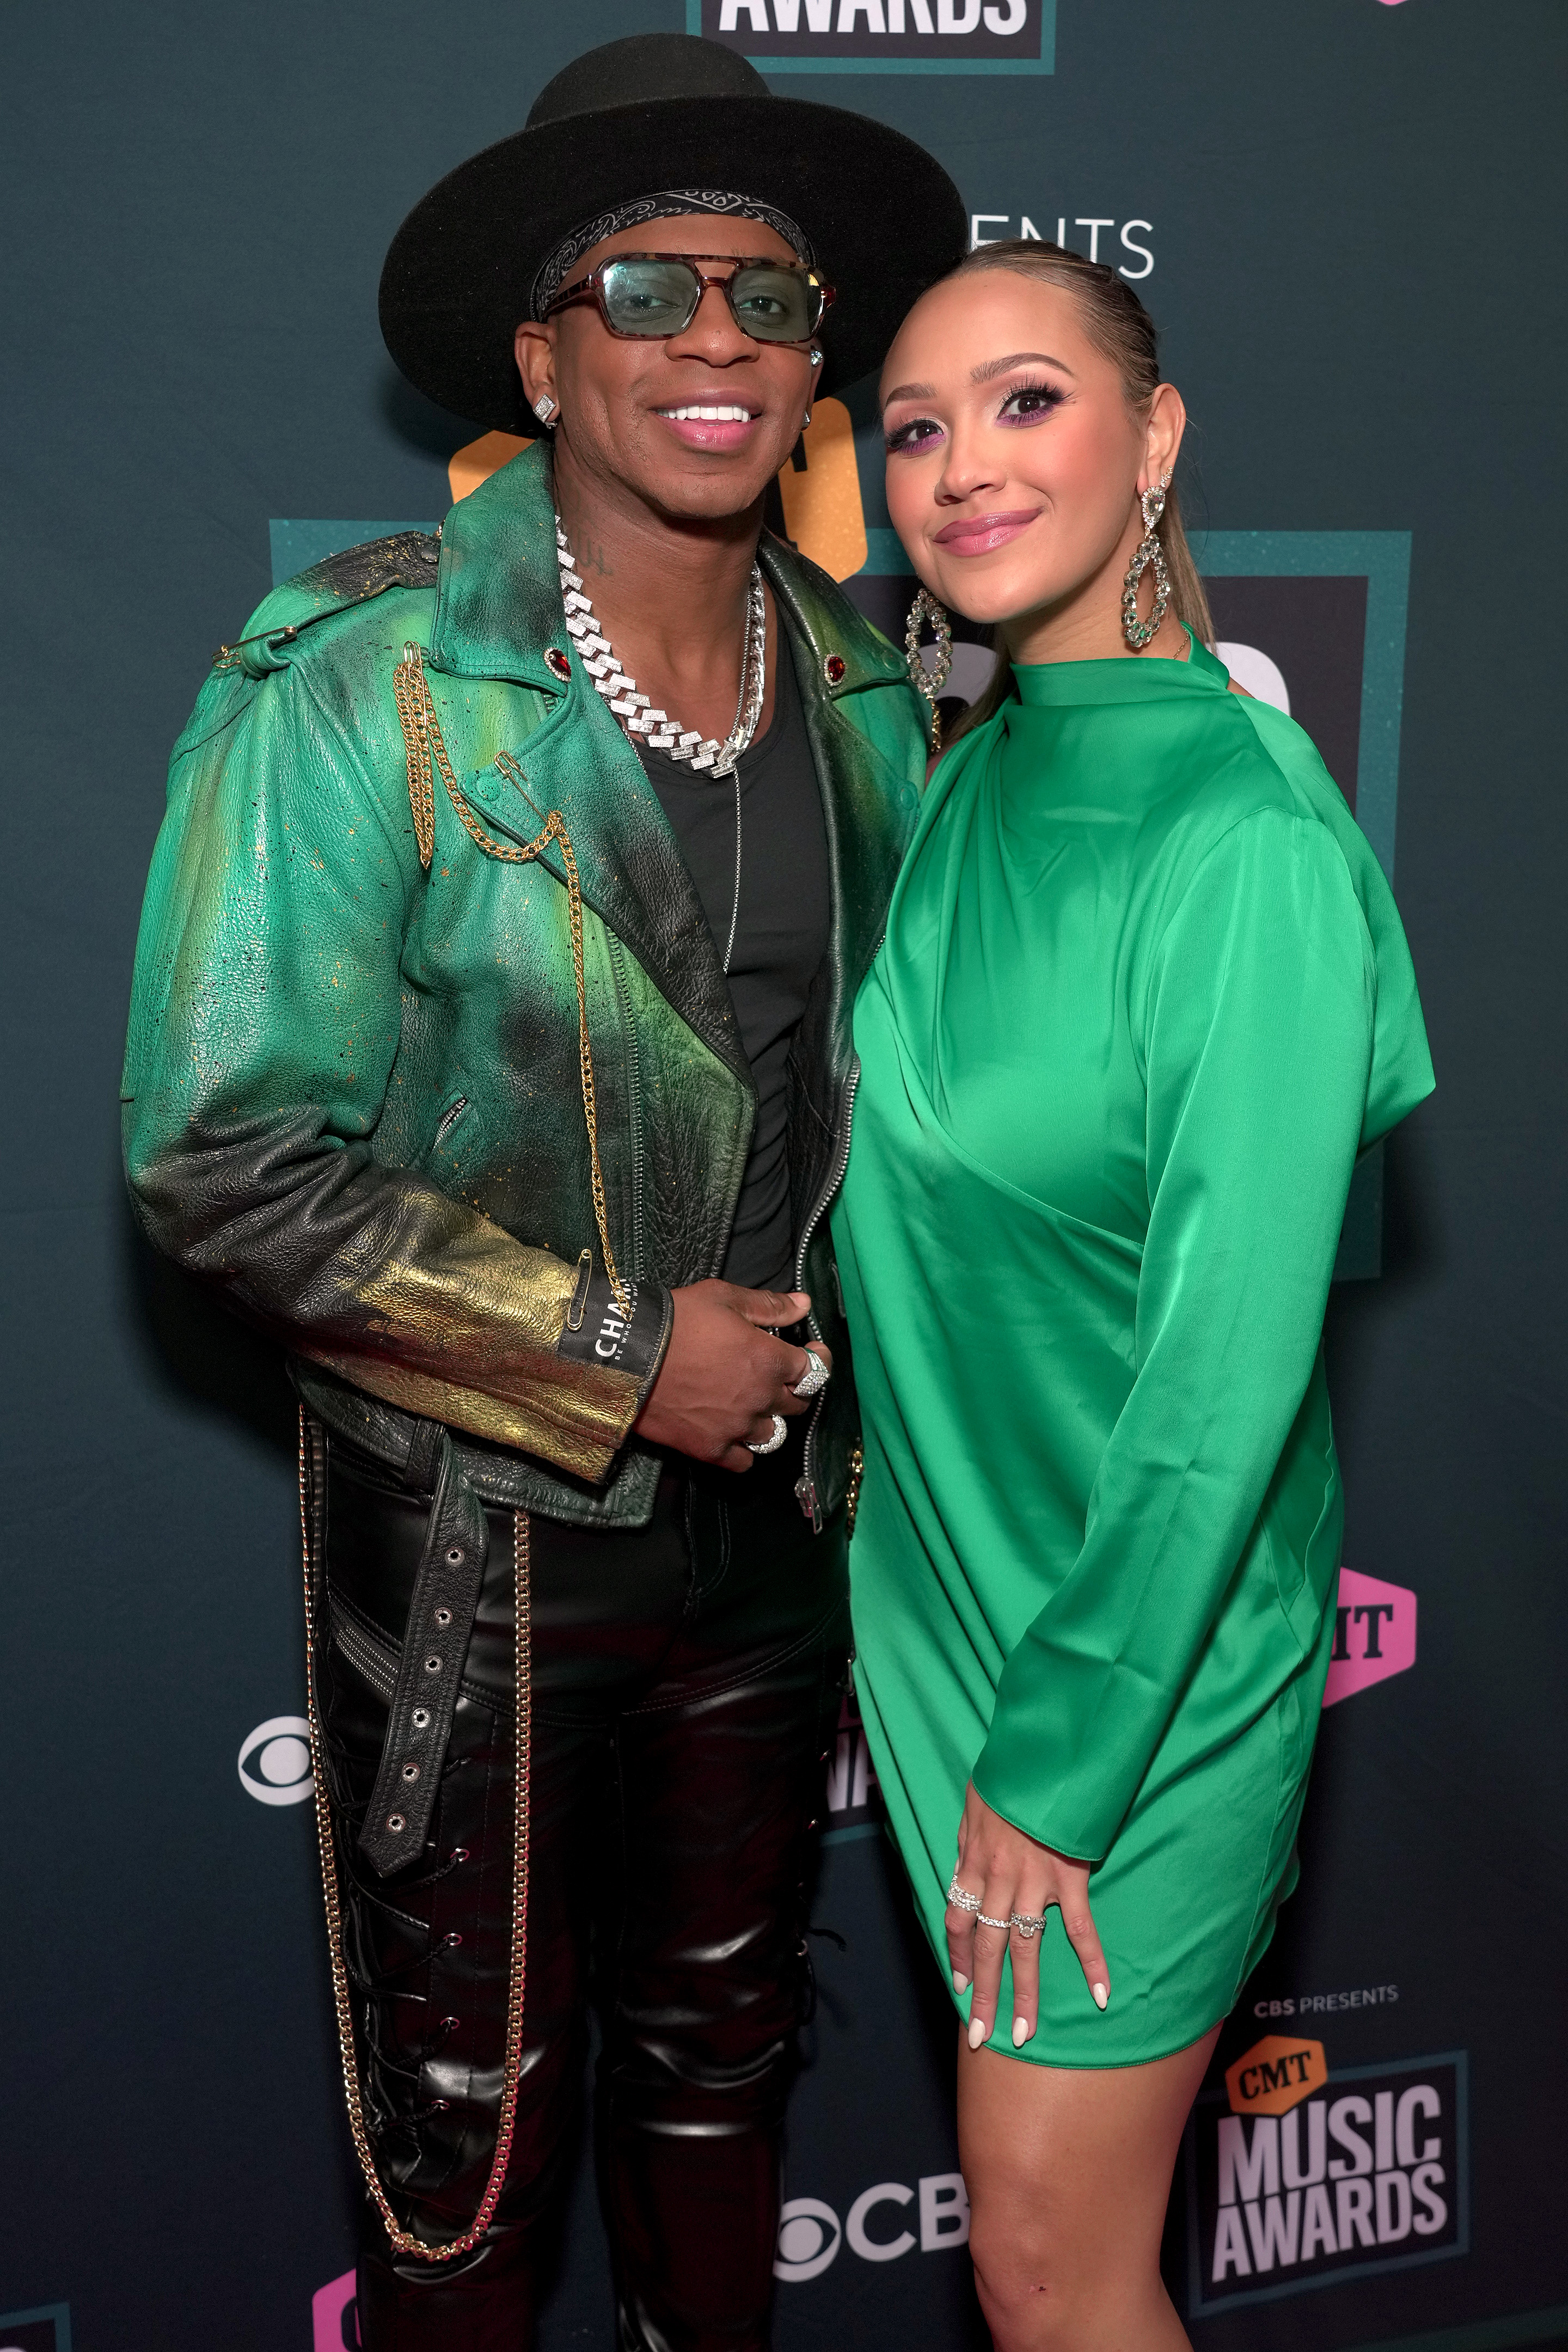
{"x": 724, "y": 1374}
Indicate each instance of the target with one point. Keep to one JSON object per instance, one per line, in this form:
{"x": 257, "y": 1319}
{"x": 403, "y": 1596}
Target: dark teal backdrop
{"x": 1346, "y": 215}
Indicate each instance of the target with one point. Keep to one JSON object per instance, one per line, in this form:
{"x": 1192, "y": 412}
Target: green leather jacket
{"x": 353, "y": 1094}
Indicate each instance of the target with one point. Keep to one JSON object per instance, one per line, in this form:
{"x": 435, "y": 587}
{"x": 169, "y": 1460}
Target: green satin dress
{"x": 1143, "y": 999}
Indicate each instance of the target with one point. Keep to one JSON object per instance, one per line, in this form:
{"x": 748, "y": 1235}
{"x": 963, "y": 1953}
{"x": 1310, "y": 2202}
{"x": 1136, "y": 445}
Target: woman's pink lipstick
{"x": 980, "y": 534}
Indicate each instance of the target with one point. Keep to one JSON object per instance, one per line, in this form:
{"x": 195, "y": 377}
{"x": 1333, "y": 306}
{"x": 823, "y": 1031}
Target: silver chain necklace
{"x": 657, "y": 731}
{"x": 634, "y": 710}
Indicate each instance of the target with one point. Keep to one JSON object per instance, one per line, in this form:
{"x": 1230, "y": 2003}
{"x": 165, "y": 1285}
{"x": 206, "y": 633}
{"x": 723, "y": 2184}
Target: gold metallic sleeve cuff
{"x": 547, "y": 1362}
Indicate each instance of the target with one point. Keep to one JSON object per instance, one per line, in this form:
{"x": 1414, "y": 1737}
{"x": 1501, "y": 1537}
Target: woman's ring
{"x": 981, "y": 1921}
{"x": 815, "y": 1376}
{"x": 771, "y": 1444}
{"x": 1028, "y": 1924}
{"x": 961, "y": 1898}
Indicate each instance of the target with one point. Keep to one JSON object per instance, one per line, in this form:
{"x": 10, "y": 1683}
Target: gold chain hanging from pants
{"x": 423, "y": 743}
{"x": 402, "y": 2240}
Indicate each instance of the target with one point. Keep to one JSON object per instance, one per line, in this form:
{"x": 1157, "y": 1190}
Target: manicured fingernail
{"x": 960, "y": 1984}
{"x": 976, "y": 2032}
{"x": 1101, "y": 1995}
{"x": 1020, "y": 2032}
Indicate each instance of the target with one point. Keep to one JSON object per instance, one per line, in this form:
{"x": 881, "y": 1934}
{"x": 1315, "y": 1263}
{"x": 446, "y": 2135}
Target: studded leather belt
{"x": 435, "y": 1644}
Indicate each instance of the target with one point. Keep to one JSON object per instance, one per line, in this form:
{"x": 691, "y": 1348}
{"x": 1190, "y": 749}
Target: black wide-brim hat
{"x": 659, "y": 111}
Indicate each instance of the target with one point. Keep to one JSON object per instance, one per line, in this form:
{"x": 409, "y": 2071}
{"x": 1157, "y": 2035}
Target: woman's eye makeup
{"x": 1030, "y": 404}
{"x": 915, "y": 433}
{"x": 1022, "y": 403}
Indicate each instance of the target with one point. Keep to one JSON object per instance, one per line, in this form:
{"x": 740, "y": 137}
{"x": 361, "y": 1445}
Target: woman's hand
{"x": 1011, "y": 1875}
{"x": 726, "y": 1373}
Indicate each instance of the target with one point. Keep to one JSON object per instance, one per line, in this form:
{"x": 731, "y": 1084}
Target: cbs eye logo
{"x": 279, "y": 1751}
{"x": 809, "y": 2235}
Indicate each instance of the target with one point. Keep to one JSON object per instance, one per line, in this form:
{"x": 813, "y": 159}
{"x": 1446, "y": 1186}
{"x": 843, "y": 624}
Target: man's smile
{"x": 714, "y": 426}
{"x": 711, "y": 412}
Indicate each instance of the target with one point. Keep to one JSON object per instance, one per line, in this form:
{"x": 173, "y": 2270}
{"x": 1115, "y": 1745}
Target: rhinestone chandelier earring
{"x": 928, "y": 681}
{"x": 1148, "y": 551}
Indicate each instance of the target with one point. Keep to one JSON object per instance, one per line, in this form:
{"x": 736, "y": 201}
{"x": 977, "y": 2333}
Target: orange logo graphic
{"x": 1275, "y": 2075}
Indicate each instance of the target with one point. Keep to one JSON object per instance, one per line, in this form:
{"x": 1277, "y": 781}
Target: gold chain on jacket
{"x": 402, "y": 2240}
{"x": 423, "y": 744}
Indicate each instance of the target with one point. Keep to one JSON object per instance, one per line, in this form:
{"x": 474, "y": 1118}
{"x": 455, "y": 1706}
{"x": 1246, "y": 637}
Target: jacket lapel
{"x": 870, "y": 809}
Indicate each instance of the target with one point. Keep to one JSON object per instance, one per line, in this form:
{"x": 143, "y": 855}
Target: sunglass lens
{"x": 649, "y": 298}
{"x": 775, "y": 305}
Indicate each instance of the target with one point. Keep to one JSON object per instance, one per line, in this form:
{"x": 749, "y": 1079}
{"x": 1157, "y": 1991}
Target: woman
{"x": 1143, "y": 998}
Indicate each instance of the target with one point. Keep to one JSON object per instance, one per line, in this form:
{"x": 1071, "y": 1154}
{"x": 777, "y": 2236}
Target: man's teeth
{"x": 709, "y": 414}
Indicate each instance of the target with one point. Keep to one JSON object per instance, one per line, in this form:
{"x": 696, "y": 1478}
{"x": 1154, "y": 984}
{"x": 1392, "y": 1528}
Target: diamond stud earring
{"x": 544, "y": 408}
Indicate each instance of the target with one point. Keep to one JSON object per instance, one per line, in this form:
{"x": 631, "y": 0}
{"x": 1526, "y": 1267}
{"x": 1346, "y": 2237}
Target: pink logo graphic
{"x": 1374, "y": 1634}
{"x": 336, "y": 2323}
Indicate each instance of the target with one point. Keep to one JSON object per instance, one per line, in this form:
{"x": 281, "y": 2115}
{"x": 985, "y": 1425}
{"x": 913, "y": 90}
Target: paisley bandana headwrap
{"x": 667, "y": 205}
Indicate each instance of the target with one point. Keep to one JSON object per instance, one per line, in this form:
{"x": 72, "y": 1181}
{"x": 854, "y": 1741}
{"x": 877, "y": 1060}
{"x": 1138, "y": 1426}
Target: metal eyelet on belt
{"x": 443, "y": 1616}
{"x": 411, "y": 1771}
{"x": 432, "y": 1665}
{"x": 453, "y": 1937}
{"x": 454, "y": 1556}
{"x": 421, "y": 1718}
{"x": 395, "y": 1821}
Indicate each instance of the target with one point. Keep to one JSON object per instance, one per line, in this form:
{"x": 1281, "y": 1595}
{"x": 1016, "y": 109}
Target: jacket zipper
{"x": 450, "y": 1118}
{"x": 623, "y": 999}
{"x": 806, "y": 1485}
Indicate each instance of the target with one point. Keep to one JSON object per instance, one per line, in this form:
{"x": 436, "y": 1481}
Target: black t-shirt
{"x": 780, "y": 936}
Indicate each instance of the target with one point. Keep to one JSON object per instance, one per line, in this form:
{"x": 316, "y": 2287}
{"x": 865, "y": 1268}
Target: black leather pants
{"x": 685, "y": 1680}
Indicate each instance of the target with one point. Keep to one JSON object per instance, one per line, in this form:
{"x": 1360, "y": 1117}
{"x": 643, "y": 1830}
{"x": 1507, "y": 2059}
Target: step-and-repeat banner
{"x": 1335, "y": 212}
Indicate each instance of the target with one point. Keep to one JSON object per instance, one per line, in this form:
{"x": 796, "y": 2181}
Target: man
{"x": 491, "y": 1047}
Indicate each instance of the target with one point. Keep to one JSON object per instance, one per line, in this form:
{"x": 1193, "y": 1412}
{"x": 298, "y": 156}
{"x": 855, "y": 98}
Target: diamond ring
{"x": 961, "y": 1897}
{"x": 1029, "y": 1923}
{"x": 815, "y": 1376}
{"x": 771, "y": 1444}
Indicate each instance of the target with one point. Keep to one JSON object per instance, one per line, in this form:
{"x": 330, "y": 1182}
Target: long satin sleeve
{"x": 1258, "y": 1028}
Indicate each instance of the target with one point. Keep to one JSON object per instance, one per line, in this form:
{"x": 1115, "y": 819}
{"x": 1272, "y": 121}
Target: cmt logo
{"x": 334, "y": 2316}
{"x": 280, "y": 1749}
{"x": 810, "y": 2233}
{"x": 885, "y": 36}
{"x": 1374, "y": 1634}
{"x": 1275, "y": 2074}
{"x": 1290, "y": 2191}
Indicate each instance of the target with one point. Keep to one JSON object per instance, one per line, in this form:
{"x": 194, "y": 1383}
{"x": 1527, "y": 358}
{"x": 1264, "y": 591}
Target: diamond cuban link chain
{"x": 657, "y": 729}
